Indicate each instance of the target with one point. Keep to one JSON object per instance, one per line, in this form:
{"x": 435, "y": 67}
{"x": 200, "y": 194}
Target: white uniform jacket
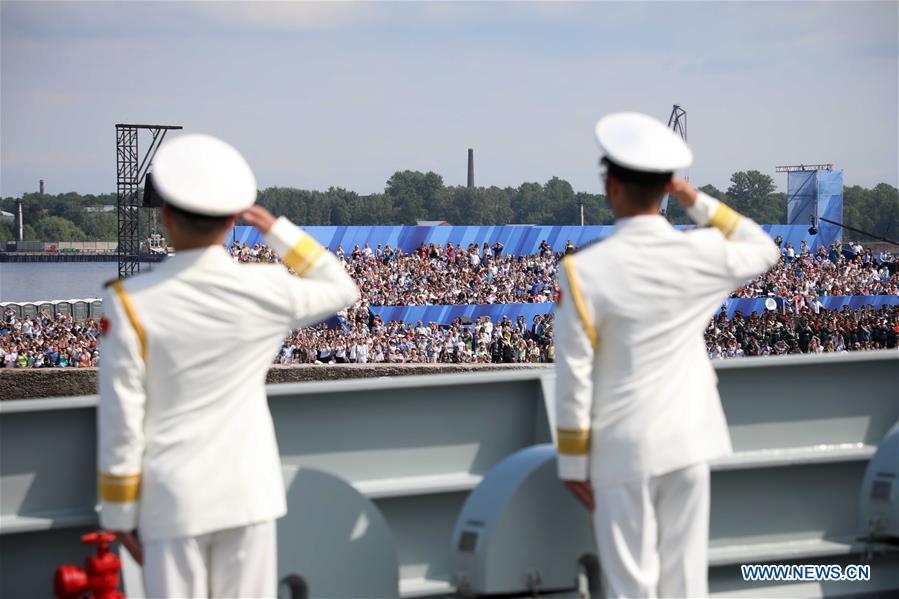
{"x": 186, "y": 444}
{"x": 636, "y": 394}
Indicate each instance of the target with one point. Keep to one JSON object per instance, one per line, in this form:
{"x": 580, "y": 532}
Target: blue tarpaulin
{"x": 830, "y": 206}
{"x": 517, "y": 240}
{"x": 816, "y": 193}
{"x": 802, "y": 196}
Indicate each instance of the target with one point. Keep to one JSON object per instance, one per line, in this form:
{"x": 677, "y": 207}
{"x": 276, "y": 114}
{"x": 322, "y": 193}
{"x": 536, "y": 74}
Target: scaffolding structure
{"x": 801, "y": 168}
{"x": 131, "y": 168}
{"x": 677, "y": 122}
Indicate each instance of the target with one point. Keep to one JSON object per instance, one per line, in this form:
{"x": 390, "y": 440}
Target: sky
{"x": 344, "y": 94}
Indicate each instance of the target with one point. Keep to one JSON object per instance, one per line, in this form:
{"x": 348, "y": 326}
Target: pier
{"x": 20, "y": 257}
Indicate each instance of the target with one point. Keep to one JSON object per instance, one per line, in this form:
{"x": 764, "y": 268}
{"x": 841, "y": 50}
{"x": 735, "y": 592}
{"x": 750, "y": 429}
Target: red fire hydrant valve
{"x": 100, "y": 577}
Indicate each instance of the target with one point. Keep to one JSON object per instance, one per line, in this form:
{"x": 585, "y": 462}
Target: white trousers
{"x": 236, "y": 563}
{"x": 653, "y": 536}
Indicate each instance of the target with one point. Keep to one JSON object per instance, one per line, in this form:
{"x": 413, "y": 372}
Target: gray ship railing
{"x": 803, "y": 430}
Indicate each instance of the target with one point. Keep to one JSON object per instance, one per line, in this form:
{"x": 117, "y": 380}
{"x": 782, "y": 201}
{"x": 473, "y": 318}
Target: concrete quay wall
{"x": 32, "y": 383}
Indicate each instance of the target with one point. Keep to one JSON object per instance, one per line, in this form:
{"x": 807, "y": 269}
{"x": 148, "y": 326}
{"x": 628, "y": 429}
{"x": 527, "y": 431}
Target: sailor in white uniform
{"x": 638, "y": 412}
{"x": 189, "y": 471}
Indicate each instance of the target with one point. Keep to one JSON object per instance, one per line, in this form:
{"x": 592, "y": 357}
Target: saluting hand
{"x": 583, "y": 490}
{"x": 259, "y": 217}
{"x": 683, "y": 192}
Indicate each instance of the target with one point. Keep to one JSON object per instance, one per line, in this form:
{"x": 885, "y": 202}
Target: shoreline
{"x": 57, "y": 257}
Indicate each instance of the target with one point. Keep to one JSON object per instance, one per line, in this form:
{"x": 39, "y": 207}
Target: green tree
{"x": 374, "y": 209}
{"x": 752, "y": 193}
{"x": 99, "y": 226}
{"x": 596, "y": 209}
{"x": 886, "y": 206}
{"x": 416, "y": 195}
{"x": 57, "y": 228}
{"x": 748, "y": 188}
{"x": 7, "y": 232}
{"x": 497, "y": 205}
{"x": 411, "y": 195}
{"x": 873, "y": 210}
{"x": 528, "y": 206}
{"x": 559, "y": 196}
{"x": 339, "y": 201}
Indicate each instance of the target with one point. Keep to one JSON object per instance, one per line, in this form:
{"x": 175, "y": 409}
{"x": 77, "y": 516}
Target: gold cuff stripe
{"x": 118, "y": 489}
{"x": 725, "y": 219}
{"x": 118, "y": 477}
{"x": 304, "y": 255}
{"x": 574, "y": 442}
{"x": 132, "y": 317}
{"x": 578, "y": 300}
{"x": 312, "y": 260}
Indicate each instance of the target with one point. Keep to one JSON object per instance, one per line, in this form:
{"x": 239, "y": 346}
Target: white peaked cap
{"x": 202, "y": 174}
{"x": 641, "y": 143}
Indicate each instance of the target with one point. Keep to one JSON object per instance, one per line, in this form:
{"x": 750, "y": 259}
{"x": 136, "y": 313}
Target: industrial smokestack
{"x": 42, "y": 187}
{"x": 470, "y": 167}
{"x": 20, "y": 224}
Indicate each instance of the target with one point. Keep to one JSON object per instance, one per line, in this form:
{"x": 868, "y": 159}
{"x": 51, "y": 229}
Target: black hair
{"x": 644, "y": 189}
{"x": 201, "y": 224}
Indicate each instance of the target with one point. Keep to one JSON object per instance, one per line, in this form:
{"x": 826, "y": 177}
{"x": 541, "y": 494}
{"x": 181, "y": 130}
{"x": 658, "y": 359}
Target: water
{"x": 35, "y": 281}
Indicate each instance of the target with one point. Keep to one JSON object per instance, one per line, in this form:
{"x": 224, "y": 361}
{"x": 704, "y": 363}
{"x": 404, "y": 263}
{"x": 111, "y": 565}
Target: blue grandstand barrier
{"x": 445, "y": 315}
{"x": 517, "y": 240}
{"x": 836, "y": 302}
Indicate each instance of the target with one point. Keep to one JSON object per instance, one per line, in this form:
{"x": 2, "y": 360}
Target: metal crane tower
{"x": 131, "y": 168}
{"x": 678, "y": 123}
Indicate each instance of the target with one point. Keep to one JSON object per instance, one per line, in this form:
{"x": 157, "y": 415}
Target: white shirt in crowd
{"x": 361, "y": 352}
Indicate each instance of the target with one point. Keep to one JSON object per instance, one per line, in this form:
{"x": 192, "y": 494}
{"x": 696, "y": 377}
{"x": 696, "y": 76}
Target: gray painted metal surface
{"x": 521, "y": 500}
{"x": 520, "y": 530}
{"x": 803, "y": 429}
{"x": 879, "y": 497}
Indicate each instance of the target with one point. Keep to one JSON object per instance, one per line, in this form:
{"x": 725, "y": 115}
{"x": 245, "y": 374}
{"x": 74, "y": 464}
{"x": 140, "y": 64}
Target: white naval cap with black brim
{"x": 203, "y": 175}
{"x": 639, "y": 149}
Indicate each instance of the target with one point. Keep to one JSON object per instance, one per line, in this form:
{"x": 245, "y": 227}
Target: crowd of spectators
{"x": 44, "y": 342}
{"x": 779, "y": 332}
{"x": 803, "y": 276}
{"x": 439, "y": 275}
{"x": 446, "y": 275}
{"x": 361, "y": 337}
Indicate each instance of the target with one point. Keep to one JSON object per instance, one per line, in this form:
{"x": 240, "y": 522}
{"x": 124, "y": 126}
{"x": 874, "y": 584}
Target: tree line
{"x": 411, "y": 196}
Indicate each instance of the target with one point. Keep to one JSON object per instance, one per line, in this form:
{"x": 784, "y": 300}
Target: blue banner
{"x": 445, "y": 315}
{"x": 833, "y": 303}
{"x": 517, "y": 240}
